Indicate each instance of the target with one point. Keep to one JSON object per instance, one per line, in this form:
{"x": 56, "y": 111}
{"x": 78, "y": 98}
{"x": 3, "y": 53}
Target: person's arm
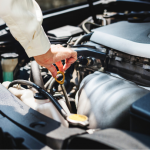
{"x": 24, "y": 19}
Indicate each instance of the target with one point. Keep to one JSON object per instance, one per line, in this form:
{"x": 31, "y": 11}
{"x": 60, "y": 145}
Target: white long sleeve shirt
{"x": 24, "y": 19}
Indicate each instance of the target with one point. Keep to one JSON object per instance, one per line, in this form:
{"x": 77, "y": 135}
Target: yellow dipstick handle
{"x": 63, "y": 80}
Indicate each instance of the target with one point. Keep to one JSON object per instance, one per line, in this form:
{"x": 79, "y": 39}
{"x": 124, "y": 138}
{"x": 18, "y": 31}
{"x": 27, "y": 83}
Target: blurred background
{"x": 51, "y": 4}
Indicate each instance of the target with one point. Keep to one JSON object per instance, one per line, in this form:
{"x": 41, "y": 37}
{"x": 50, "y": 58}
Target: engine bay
{"x": 107, "y": 90}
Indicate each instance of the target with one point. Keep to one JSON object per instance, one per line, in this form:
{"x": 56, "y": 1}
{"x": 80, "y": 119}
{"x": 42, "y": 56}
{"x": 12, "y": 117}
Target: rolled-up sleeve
{"x": 24, "y": 19}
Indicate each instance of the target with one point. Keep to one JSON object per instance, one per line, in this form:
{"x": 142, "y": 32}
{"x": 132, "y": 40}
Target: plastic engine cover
{"x": 106, "y": 100}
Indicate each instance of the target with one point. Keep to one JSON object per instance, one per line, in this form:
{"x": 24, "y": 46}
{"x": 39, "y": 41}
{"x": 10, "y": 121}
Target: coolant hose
{"x": 36, "y": 74}
{"x": 42, "y": 91}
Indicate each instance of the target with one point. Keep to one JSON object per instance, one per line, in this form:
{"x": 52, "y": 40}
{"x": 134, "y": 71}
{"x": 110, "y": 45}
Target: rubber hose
{"x": 42, "y": 91}
{"x": 36, "y": 74}
{"x": 48, "y": 82}
{"x": 83, "y": 38}
{"x": 53, "y": 82}
{"x": 88, "y": 52}
{"x": 85, "y": 29}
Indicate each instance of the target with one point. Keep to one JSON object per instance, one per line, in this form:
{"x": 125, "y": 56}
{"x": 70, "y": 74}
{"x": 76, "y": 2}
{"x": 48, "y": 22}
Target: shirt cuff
{"x": 39, "y": 45}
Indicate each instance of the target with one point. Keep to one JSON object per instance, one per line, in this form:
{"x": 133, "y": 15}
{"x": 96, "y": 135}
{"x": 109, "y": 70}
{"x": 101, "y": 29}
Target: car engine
{"x": 108, "y": 87}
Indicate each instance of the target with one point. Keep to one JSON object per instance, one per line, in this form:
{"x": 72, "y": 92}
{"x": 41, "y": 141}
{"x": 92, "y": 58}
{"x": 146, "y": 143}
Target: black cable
{"x": 87, "y": 46}
{"x": 42, "y": 91}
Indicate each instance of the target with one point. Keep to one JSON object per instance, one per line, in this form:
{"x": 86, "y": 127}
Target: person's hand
{"x": 54, "y": 55}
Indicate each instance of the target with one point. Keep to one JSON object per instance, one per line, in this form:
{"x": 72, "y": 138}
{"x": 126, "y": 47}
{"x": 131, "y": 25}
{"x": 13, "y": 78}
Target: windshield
{"x": 51, "y": 4}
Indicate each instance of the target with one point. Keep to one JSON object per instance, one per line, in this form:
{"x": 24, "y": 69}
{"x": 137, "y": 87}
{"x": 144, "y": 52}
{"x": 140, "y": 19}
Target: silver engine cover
{"x": 126, "y": 37}
{"x": 106, "y": 100}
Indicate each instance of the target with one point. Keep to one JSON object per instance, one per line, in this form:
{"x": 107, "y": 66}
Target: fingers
{"x": 70, "y": 61}
{"x": 53, "y": 70}
{"x": 74, "y": 56}
{"x": 60, "y": 66}
{"x": 55, "y": 54}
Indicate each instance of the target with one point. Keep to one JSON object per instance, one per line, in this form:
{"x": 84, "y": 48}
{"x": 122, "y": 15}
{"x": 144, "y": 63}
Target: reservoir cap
{"x": 79, "y": 120}
{"x": 9, "y": 55}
